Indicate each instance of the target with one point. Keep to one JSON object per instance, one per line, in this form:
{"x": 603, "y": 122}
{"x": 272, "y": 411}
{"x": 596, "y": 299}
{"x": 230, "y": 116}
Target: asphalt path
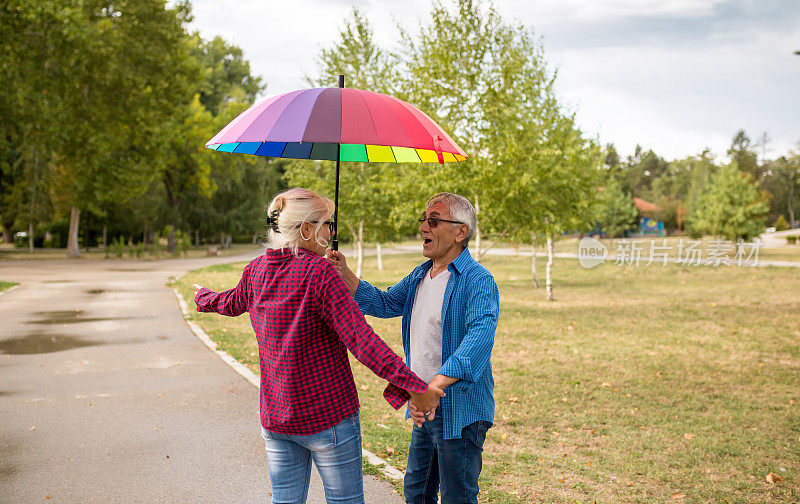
{"x": 107, "y": 396}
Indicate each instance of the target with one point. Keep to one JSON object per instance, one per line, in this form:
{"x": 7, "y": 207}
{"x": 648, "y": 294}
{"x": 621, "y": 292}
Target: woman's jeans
{"x": 335, "y": 451}
{"x": 452, "y": 464}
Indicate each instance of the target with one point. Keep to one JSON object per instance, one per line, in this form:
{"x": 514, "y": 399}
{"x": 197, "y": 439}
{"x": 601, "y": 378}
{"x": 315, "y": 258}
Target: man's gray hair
{"x": 460, "y": 210}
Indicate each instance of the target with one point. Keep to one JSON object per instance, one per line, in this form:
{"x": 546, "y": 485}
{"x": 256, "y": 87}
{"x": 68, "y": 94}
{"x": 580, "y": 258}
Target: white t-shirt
{"x": 426, "y": 326}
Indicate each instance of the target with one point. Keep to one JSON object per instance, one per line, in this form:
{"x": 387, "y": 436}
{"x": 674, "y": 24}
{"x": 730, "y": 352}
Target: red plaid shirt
{"x": 305, "y": 320}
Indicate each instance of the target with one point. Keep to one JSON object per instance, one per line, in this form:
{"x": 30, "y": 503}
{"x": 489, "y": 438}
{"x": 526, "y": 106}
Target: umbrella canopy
{"x": 314, "y": 123}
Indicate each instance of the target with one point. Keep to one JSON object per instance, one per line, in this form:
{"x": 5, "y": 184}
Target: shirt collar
{"x": 460, "y": 262}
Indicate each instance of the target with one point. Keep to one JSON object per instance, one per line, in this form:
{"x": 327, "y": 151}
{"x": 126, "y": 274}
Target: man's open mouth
{"x": 427, "y": 241}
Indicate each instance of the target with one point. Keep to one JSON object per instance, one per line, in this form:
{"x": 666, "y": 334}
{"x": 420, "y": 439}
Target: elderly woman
{"x": 305, "y": 320}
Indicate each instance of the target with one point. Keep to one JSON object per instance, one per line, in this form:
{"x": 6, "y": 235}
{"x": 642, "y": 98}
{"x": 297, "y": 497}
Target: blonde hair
{"x": 289, "y": 210}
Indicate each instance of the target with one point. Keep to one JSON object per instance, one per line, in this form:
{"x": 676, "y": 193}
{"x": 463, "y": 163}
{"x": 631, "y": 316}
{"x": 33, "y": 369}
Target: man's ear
{"x": 462, "y": 233}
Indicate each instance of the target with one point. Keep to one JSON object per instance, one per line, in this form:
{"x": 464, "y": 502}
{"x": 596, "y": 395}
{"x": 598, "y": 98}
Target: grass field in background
{"x": 6, "y": 285}
{"x": 637, "y": 385}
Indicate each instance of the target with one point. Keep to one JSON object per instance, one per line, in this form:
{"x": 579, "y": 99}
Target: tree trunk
{"x": 197, "y": 238}
{"x": 6, "y": 233}
{"x": 534, "y": 274}
{"x": 105, "y": 236}
{"x": 171, "y": 239}
{"x": 477, "y": 231}
{"x": 380, "y": 257}
{"x": 360, "y": 248}
{"x": 789, "y": 203}
{"x": 86, "y": 233}
{"x": 72, "y": 239}
{"x": 34, "y": 187}
{"x": 549, "y": 269}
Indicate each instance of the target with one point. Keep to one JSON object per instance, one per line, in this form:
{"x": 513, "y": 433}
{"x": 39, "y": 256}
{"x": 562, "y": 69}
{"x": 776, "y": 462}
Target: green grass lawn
{"x": 637, "y": 385}
{"x": 6, "y": 285}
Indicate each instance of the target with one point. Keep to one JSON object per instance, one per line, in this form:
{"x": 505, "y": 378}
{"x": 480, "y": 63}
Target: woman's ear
{"x": 305, "y": 231}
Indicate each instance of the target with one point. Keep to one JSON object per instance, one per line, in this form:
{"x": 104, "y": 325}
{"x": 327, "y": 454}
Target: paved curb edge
{"x": 13, "y": 288}
{"x": 381, "y": 464}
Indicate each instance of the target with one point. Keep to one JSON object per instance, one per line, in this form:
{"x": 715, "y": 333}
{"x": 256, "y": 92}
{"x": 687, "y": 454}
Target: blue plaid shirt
{"x": 470, "y": 310}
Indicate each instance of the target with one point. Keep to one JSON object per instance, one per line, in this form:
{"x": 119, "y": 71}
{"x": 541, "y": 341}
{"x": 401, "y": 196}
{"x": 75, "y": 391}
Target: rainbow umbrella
{"x": 338, "y": 124}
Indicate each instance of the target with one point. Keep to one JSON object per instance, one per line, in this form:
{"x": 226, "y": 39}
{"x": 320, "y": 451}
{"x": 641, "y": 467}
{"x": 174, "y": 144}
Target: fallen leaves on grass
{"x": 605, "y": 384}
{"x": 688, "y": 436}
{"x": 677, "y": 496}
{"x": 513, "y": 399}
{"x": 773, "y": 478}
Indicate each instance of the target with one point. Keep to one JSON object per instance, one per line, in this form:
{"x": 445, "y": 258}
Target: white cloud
{"x": 547, "y": 11}
{"x": 671, "y": 75}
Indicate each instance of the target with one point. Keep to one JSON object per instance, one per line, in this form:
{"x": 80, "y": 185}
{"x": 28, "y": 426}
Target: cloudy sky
{"x": 672, "y": 75}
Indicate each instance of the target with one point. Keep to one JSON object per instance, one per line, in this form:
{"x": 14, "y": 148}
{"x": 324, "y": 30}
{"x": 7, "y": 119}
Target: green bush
{"x": 781, "y": 224}
{"x": 154, "y": 248}
{"x": 117, "y": 247}
{"x": 791, "y": 240}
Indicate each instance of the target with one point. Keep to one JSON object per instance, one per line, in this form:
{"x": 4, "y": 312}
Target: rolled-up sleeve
{"x": 482, "y": 310}
{"x": 382, "y": 304}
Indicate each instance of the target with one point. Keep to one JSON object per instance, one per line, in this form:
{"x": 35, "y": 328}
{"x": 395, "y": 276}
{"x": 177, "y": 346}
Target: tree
{"x": 226, "y": 74}
{"x": 742, "y": 153}
{"x": 110, "y": 74}
{"x": 449, "y": 71}
{"x": 615, "y": 210}
{"x": 731, "y": 206}
{"x": 781, "y": 181}
{"x": 544, "y": 171}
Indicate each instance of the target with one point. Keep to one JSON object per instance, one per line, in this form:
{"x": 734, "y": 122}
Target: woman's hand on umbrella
{"x": 340, "y": 265}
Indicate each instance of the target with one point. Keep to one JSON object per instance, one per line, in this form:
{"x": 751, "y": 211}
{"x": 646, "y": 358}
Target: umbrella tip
{"x": 341, "y": 80}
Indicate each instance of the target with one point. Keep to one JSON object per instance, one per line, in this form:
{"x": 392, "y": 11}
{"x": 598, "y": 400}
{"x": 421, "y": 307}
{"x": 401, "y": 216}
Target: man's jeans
{"x": 335, "y": 451}
{"x": 452, "y": 464}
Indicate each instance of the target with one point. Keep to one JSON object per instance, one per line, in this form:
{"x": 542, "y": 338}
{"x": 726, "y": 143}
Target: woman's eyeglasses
{"x": 434, "y": 221}
{"x": 327, "y": 222}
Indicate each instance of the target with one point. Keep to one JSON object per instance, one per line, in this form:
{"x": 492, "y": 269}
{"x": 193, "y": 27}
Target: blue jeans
{"x": 452, "y": 464}
{"x": 335, "y": 451}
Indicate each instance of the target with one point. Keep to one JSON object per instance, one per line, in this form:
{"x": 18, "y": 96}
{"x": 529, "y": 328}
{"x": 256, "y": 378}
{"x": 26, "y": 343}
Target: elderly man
{"x": 450, "y": 306}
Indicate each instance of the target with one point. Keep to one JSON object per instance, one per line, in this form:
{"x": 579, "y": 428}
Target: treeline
{"x": 698, "y": 195}
{"x": 106, "y": 108}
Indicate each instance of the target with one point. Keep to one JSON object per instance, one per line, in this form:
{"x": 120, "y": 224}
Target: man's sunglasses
{"x": 434, "y": 221}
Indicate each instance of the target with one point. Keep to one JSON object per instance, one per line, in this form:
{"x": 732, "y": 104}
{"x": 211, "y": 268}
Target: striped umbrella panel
{"x": 312, "y": 123}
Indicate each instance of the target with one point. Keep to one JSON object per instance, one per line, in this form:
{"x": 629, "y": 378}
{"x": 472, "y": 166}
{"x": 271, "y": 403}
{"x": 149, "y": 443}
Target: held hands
{"x": 423, "y": 405}
{"x": 340, "y": 265}
{"x": 196, "y": 288}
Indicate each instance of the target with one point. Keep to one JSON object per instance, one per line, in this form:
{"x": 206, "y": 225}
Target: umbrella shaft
{"x": 335, "y": 241}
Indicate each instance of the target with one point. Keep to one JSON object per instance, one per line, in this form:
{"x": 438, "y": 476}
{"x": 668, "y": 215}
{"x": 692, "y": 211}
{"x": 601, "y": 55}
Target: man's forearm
{"x": 441, "y": 381}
